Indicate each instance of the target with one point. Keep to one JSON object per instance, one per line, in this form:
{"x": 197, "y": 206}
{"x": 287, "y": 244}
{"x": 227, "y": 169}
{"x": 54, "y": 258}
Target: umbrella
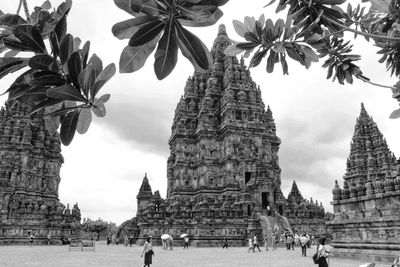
{"x": 165, "y": 236}
{"x": 183, "y": 235}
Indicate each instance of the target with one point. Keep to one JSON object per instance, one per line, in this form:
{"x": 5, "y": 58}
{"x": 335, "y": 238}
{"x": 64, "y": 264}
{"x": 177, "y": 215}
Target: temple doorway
{"x": 265, "y": 200}
{"x": 247, "y": 177}
{"x": 280, "y": 209}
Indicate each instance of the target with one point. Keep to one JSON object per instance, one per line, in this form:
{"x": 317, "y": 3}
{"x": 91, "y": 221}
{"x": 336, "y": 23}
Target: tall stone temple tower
{"x": 366, "y": 222}
{"x": 223, "y": 171}
{"x": 30, "y": 161}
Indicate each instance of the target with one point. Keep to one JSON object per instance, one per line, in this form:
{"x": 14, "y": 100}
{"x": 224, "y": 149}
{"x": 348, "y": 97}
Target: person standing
{"x": 186, "y": 245}
{"x": 130, "y": 240}
{"x": 323, "y": 253}
{"x": 255, "y": 245}
{"x": 147, "y": 252}
{"x": 251, "y": 247}
{"x": 126, "y": 240}
{"x": 266, "y": 241}
{"x": 275, "y": 240}
{"x": 303, "y": 244}
{"x": 31, "y": 237}
{"x": 48, "y": 238}
{"x": 171, "y": 241}
{"x": 225, "y": 243}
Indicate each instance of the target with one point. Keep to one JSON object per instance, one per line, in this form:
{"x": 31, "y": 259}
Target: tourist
{"x": 186, "y": 245}
{"x": 266, "y": 242}
{"x": 31, "y": 237}
{"x": 225, "y": 243}
{"x": 303, "y": 244}
{"x": 170, "y": 243}
{"x": 251, "y": 247}
{"x": 130, "y": 240}
{"x": 148, "y": 252}
{"x": 48, "y": 238}
{"x": 323, "y": 253}
{"x": 126, "y": 240}
{"x": 275, "y": 240}
{"x": 255, "y": 245}
{"x": 108, "y": 240}
{"x": 164, "y": 244}
{"x": 113, "y": 239}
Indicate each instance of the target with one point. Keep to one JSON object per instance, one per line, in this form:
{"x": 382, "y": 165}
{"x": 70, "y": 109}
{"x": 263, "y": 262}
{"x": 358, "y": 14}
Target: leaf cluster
{"x": 63, "y": 83}
{"x": 160, "y": 23}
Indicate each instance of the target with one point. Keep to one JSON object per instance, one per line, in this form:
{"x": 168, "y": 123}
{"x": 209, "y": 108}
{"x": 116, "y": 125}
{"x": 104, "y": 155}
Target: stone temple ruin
{"x": 30, "y": 161}
{"x": 223, "y": 174}
{"x": 366, "y": 222}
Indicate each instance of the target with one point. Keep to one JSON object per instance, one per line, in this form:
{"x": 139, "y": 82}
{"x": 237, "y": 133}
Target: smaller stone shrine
{"x": 366, "y": 223}
{"x": 30, "y": 162}
{"x": 305, "y": 217}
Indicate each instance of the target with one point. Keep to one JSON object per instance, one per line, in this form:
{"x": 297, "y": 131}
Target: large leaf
{"x": 65, "y": 92}
{"x": 395, "y": 114}
{"x": 54, "y": 44}
{"x": 85, "y": 53}
{"x": 9, "y": 65}
{"x": 97, "y": 64}
{"x": 48, "y": 80}
{"x": 103, "y": 77}
{"x": 125, "y": 5}
{"x": 11, "y": 20}
{"x": 147, "y": 32}
{"x": 149, "y": 7}
{"x": 30, "y": 36}
{"x": 99, "y": 109}
{"x": 200, "y": 16}
{"x": 15, "y": 45}
{"x": 125, "y": 29}
{"x": 239, "y": 27}
{"x": 133, "y": 57}
{"x": 75, "y": 67}
{"x": 41, "y": 62}
{"x": 194, "y": 46}
{"x": 68, "y": 127}
{"x": 61, "y": 27}
{"x": 66, "y": 47}
{"x": 167, "y": 52}
{"x": 84, "y": 121}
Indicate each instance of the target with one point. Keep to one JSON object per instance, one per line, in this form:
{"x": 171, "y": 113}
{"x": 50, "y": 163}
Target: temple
{"x": 304, "y": 216}
{"x": 29, "y": 179}
{"x": 223, "y": 174}
{"x": 366, "y": 222}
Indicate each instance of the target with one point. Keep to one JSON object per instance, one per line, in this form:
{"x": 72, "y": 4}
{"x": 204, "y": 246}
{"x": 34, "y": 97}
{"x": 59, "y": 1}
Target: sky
{"x": 315, "y": 117}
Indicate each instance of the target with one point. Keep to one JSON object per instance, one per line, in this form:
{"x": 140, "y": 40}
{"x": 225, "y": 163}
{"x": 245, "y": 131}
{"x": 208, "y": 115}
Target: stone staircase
{"x": 269, "y": 223}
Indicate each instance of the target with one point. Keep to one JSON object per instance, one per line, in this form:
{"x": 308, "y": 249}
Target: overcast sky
{"x": 315, "y": 118}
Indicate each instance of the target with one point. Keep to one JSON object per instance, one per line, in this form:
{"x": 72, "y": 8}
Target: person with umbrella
{"x": 164, "y": 240}
{"x": 186, "y": 240}
{"x": 148, "y": 252}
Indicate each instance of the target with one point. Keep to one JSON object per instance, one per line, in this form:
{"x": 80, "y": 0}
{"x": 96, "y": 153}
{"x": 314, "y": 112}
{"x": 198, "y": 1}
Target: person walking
{"x": 126, "y": 240}
{"x": 48, "y": 238}
{"x": 130, "y": 240}
{"x": 323, "y": 253}
{"x": 225, "y": 243}
{"x": 266, "y": 242}
{"x": 255, "y": 245}
{"x": 147, "y": 252}
{"x": 251, "y": 247}
{"x": 303, "y": 244}
{"x": 186, "y": 245}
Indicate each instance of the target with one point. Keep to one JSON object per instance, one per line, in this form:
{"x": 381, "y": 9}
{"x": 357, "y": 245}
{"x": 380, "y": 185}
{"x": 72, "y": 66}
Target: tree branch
{"x": 26, "y": 10}
{"x": 19, "y": 6}
{"x": 361, "y": 33}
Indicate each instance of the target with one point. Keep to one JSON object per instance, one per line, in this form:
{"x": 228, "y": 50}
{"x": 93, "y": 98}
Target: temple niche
{"x": 366, "y": 223}
{"x": 223, "y": 174}
{"x": 30, "y": 161}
